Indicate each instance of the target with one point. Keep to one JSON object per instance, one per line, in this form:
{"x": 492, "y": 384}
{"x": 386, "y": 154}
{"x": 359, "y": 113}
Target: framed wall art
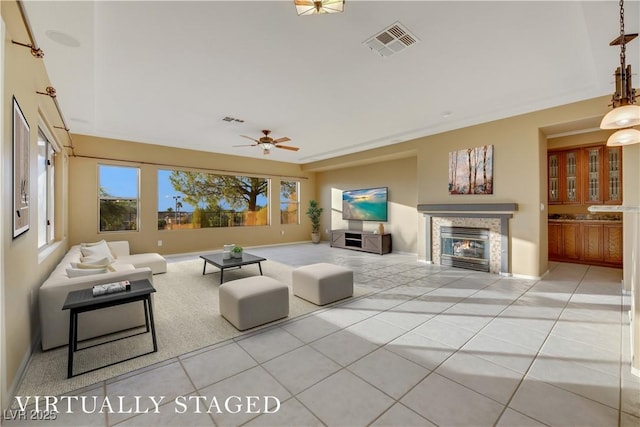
{"x": 20, "y": 171}
{"x": 471, "y": 171}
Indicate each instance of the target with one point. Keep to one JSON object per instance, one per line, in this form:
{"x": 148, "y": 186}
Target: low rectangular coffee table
{"x": 223, "y": 264}
{"x": 83, "y": 300}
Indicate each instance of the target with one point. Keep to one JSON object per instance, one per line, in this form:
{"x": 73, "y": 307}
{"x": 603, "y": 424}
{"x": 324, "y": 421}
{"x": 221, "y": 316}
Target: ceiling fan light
{"x": 624, "y": 137}
{"x": 621, "y": 117}
{"x": 314, "y": 7}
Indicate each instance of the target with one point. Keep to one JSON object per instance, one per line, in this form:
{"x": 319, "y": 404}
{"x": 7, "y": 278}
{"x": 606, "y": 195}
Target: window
{"x": 188, "y": 200}
{"x": 46, "y": 174}
{"x": 289, "y": 202}
{"x": 118, "y": 194}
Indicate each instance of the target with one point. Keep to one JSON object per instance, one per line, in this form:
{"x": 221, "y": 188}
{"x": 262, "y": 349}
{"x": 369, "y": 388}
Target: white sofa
{"x": 54, "y": 321}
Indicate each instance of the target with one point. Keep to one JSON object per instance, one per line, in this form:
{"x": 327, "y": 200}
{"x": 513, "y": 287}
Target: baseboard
{"x": 525, "y": 276}
{"x": 22, "y": 370}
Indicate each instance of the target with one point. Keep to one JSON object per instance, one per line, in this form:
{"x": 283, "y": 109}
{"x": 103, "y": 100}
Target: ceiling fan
{"x": 267, "y": 143}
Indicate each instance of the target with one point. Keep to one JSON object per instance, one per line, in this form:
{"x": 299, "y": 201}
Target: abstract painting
{"x": 471, "y": 170}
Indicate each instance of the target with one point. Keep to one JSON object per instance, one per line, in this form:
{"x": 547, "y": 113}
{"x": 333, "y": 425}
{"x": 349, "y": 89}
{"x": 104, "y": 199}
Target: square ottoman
{"x": 253, "y": 301}
{"x": 322, "y": 283}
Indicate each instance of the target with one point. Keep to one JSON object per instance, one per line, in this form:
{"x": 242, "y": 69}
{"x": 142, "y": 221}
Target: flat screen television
{"x": 367, "y": 204}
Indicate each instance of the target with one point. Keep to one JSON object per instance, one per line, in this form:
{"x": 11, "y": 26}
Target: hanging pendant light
{"x": 624, "y": 137}
{"x": 314, "y": 7}
{"x": 625, "y": 112}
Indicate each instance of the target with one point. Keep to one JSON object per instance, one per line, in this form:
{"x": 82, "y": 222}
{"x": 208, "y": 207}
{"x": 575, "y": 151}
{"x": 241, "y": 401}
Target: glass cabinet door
{"x": 554, "y": 178}
{"x": 614, "y": 175}
{"x": 571, "y": 163}
{"x": 594, "y": 175}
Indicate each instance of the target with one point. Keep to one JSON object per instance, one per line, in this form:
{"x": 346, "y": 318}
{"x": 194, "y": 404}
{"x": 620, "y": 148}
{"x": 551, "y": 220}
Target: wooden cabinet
{"x": 565, "y": 177}
{"x": 556, "y": 243}
{"x": 585, "y": 176}
{"x": 586, "y": 242}
{"x": 571, "y": 241}
{"x": 592, "y": 242}
{"x": 612, "y": 236}
{"x": 365, "y": 241}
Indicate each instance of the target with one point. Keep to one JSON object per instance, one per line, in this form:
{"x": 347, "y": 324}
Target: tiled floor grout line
{"x": 431, "y": 371}
{"x": 524, "y": 375}
{"x": 409, "y": 280}
{"x": 459, "y": 349}
{"x": 345, "y": 368}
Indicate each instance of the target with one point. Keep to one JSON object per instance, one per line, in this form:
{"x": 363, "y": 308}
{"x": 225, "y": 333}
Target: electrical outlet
{"x": 159, "y": 242}
{"x": 282, "y": 232}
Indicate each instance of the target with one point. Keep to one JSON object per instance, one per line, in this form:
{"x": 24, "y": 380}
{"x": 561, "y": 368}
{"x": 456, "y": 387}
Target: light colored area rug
{"x": 187, "y": 318}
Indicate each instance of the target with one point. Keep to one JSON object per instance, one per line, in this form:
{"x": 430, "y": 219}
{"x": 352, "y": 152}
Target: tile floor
{"x": 429, "y": 346}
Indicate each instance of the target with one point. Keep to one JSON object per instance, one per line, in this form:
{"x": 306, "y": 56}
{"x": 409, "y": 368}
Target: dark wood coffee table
{"x": 223, "y": 264}
{"x": 83, "y": 300}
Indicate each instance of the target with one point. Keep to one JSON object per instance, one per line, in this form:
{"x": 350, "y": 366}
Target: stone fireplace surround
{"x": 493, "y": 216}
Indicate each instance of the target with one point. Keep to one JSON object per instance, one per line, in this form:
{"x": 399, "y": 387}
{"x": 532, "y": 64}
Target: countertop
{"x": 608, "y": 218}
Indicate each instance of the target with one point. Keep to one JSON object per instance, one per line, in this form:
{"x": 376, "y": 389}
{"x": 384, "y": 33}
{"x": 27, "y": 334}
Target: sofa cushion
{"x": 96, "y": 251}
{"x": 155, "y": 262}
{"x": 93, "y": 263}
{"x": 77, "y": 272}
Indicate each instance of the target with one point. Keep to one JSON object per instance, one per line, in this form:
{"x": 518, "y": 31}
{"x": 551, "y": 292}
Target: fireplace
{"x": 493, "y": 217}
{"x": 465, "y": 247}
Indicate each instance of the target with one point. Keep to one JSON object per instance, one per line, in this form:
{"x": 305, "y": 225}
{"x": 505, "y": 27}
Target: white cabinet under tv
{"x": 365, "y": 241}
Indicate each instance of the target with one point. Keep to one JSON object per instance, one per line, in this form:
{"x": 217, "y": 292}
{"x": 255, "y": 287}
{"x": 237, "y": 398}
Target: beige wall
{"x": 83, "y": 200}
{"x": 398, "y": 175}
{"x": 24, "y": 267}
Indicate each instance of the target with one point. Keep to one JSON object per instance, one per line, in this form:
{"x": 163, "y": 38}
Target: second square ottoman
{"x": 322, "y": 283}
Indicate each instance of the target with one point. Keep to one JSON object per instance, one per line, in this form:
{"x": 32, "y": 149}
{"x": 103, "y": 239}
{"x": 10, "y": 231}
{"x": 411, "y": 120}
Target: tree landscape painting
{"x": 471, "y": 171}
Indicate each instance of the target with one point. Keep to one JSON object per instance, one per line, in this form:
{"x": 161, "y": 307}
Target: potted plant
{"x": 314, "y": 213}
{"x": 236, "y": 252}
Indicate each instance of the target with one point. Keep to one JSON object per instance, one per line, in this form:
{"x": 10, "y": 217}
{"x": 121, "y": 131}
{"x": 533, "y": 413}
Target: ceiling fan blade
{"x": 245, "y": 145}
{"x": 248, "y": 137}
{"x": 279, "y": 140}
{"x": 286, "y": 147}
{"x": 303, "y": 3}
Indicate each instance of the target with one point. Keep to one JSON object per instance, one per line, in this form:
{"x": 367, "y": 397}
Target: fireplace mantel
{"x": 467, "y": 208}
{"x": 501, "y": 211}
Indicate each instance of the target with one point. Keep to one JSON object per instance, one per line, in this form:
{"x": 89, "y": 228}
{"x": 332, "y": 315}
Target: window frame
{"x": 234, "y": 217}
{"x": 296, "y": 202}
{"x": 100, "y": 198}
{"x": 46, "y": 219}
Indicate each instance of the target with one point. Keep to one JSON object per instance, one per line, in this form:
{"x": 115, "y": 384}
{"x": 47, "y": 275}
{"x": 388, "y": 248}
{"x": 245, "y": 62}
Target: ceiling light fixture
{"x": 624, "y": 137}
{"x": 625, "y": 113}
{"x": 309, "y": 7}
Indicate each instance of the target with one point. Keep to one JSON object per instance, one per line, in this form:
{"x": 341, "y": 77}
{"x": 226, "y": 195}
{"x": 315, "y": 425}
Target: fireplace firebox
{"x": 465, "y": 247}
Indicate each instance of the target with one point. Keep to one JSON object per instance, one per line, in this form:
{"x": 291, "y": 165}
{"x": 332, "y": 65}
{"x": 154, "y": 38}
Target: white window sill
{"x": 46, "y": 251}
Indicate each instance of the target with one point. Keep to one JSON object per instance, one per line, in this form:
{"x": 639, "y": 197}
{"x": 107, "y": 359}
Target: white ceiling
{"x": 168, "y": 72}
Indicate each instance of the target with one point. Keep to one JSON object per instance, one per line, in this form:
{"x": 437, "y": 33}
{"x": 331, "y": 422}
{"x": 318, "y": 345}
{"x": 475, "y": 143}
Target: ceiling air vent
{"x": 391, "y": 40}
{"x": 232, "y": 119}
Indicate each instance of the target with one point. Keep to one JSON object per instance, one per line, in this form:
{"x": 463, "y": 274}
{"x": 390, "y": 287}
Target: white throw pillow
{"x": 93, "y": 263}
{"x": 96, "y": 251}
{"x": 78, "y": 272}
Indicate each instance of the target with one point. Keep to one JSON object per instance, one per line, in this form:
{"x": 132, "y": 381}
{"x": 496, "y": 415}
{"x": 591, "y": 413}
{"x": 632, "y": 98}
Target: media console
{"x": 365, "y": 241}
